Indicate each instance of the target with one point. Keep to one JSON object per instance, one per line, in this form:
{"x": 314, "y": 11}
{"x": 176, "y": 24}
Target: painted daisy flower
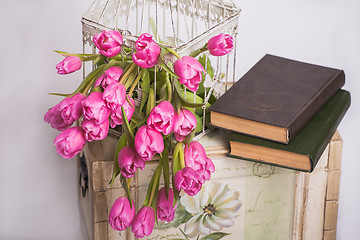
{"x": 212, "y": 209}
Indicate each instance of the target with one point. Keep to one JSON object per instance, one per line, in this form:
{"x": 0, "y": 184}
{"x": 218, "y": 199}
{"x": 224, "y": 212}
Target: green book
{"x": 305, "y": 150}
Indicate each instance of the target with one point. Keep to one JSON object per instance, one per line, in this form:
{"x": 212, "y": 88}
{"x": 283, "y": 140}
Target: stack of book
{"x": 282, "y": 112}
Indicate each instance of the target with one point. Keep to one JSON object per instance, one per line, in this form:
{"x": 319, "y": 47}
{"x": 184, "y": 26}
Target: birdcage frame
{"x": 183, "y": 25}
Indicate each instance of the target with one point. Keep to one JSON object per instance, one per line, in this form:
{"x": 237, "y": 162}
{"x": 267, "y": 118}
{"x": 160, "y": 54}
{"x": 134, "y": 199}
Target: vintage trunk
{"x": 276, "y": 203}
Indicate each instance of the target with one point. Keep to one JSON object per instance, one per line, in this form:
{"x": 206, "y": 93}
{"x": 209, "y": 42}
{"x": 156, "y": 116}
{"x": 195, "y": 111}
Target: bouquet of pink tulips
{"x": 164, "y": 128}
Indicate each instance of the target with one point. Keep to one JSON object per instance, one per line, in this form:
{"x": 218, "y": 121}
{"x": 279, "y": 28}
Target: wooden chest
{"x": 276, "y": 203}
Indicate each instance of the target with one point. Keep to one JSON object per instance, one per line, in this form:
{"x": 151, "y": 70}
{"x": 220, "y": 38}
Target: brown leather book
{"x": 276, "y": 98}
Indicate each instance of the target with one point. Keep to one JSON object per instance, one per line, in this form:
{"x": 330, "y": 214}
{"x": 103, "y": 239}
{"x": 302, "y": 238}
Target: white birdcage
{"x": 183, "y": 25}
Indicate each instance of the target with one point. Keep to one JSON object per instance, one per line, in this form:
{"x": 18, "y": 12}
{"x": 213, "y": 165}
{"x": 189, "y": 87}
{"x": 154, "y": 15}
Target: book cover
{"x": 306, "y": 148}
{"x": 276, "y": 98}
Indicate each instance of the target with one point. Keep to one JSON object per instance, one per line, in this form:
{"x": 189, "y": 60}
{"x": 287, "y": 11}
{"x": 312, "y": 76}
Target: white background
{"x": 38, "y": 189}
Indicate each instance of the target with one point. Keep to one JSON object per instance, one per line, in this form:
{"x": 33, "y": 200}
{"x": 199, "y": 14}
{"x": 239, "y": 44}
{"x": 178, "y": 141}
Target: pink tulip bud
{"x": 220, "y": 45}
{"x": 94, "y": 107}
{"x": 209, "y": 168}
{"x": 161, "y": 118}
{"x": 114, "y": 95}
{"x": 108, "y": 42}
{"x": 148, "y": 142}
{"x": 121, "y": 215}
{"x": 70, "y": 142}
{"x": 195, "y": 158}
{"x": 165, "y": 207}
{"x": 188, "y": 180}
{"x": 55, "y": 119}
{"x": 65, "y": 113}
{"x": 68, "y": 65}
{"x": 143, "y": 223}
{"x": 184, "y": 122}
{"x": 147, "y": 53}
{"x": 71, "y": 108}
{"x": 116, "y": 115}
{"x": 95, "y": 131}
{"x": 129, "y": 162}
{"x": 110, "y": 76}
{"x": 190, "y": 72}
{"x": 195, "y": 155}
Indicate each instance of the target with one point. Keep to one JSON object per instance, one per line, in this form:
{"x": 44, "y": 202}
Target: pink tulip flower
{"x": 68, "y": 65}
{"x": 188, "y": 180}
{"x": 71, "y": 108}
{"x": 121, "y": 215}
{"x": 205, "y": 174}
{"x": 184, "y": 122}
{"x": 147, "y": 53}
{"x": 55, "y": 119}
{"x": 220, "y": 45}
{"x": 165, "y": 208}
{"x": 108, "y": 42}
{"x": 129, "y": 161}
{"x": 110, "y": 76}
{"x": 195, "y": 155}
{"x": 195, "y": 158}
{"x": 70, "y": 142}
{"x": 94, "y": 107}
{"x": 114, "y": 95}
{"x": 95, "y": 131}
{"x": 143, "y": 223}
{"x": 116, "y": 115}
{"x": 65, "y": 113}
{"x": 189, "y": 71}
{"x": 148, "y": 142}
{"x": 161, "y": 118}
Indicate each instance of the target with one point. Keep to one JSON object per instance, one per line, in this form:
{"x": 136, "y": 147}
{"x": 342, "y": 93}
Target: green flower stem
{"x": 169, "y": 88}
{"x": 198, "y": 51}
{"x": 170, "y": 50}
{"x": 134, "y": 84}
{"x": 91, "y": 84}
{"x": 165, "y": 164}
{"x": 88, "y": 79}
{"x": 128, "y": 100}
{"x": 126, "y": 74}
{"x": 156, "y": 182}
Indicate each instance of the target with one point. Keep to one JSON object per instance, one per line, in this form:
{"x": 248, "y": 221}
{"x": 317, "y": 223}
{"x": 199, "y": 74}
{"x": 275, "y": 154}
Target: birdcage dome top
{"x": 175, "y": 23}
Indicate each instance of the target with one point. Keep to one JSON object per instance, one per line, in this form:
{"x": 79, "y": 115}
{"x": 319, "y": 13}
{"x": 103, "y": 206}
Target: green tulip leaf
{"x": 153, "y": 186}
{"x": 130, "y": 79}
{"x": 163, "y": 65}
{"x": 89, "y": 78}
{"x": 60, "y": 94}
{"x": 127, "y": 129}
{"x": 125, "y": 182}
{"x": 165, "y": 164}
{"x": 176, "y": 158}
{"x": 145, "y": 88}
{"x": 83, "y": 57}
{"x": 199, "y": 125}
{"x": 151, "y": 101}
{"x": 206, "y": 61}
{"x": 185, "y": 102}
{"x": 120, "y": 145}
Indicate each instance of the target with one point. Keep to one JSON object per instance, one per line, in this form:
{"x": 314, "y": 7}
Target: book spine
{"x": 330, "y": 129}
{"x": 317, "y": 102}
